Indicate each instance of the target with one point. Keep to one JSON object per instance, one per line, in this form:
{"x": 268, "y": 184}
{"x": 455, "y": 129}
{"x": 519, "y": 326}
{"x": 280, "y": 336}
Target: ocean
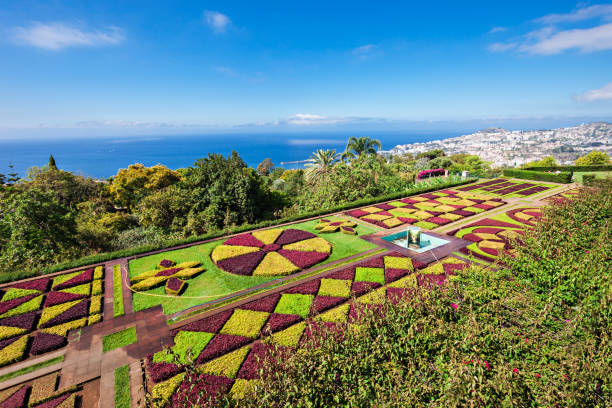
{"x": 102, "y": 157}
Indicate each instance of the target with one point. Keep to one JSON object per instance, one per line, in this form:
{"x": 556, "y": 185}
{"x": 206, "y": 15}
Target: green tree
{"x": 69, "y": 189}
{"x": 356, "y": 147}
{"x": 548, "y": 161}
{"x": 440, "y": 163}
{"x": 40, "y": 230}
{"x": 52, "y": 165}
{"x": 131, "y": 185}
{"x": 321, "y": 162}
{"x": 593, "y": 158}
{"x": 431, "y": 154}
{"x": 265, "y": 167}
{"x": 98, "y": 223}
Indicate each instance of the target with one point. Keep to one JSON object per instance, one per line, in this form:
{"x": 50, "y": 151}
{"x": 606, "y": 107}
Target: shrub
{"x": 31, "y": 305}
{"x": 588, "y": 179}
{"x": 430, "y": 173}
{"x": 562, "y": 177}
{"x": 175, "y": 286}
{"x": 63, "y": 329}
{"x": 12, "y": 350}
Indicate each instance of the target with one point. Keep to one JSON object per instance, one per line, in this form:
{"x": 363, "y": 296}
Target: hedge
{"x": 563, "y": 177}
{"x": 108, "y": 256}
{"x": 603, "y": 167}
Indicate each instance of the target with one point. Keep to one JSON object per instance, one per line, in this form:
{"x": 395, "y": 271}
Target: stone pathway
{"x": 84, "y": 359}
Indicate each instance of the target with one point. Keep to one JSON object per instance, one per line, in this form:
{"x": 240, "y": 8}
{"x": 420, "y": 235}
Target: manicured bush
{"x": 79, "y": 279}
{"x": 6, "y": 332}
{"x": 98, "y": 272}
{"x": 166, "y": 263}
{"x": 430, "y": 173}
{"x": 54, "y": 311}
{"x": 247, "y": 323}
{"x": 12, "y": 350}
{"x": 45, "y": 342}
{"x": 23, "y": 321}
{"x": 185, "y": 343}
{"x": 16, "y": 293}
{"x": 294, "y": 303}
{"x": 63, "y": 329}
{"x": 222, "y": 344}
{"x": 175, "y": 286}
{"x": 562, "y": 177}
{"x": 572, "y": 168}
{"x": 17, "y": 399}
{"x": 56, "y": 298}
{"x": 75, "y": 312}
{"x": 30, "y": 304}
{"x": 95, "y": 305}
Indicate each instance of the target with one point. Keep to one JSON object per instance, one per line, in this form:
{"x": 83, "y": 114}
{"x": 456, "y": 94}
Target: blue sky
{"x": 183, "y": 66}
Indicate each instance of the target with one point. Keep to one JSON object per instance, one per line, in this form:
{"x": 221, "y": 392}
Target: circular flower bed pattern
{"x": 273, "y": 252}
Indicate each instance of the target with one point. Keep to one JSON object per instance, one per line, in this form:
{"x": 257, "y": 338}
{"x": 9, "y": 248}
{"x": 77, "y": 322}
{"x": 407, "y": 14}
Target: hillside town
{"x": 511, "y": 148}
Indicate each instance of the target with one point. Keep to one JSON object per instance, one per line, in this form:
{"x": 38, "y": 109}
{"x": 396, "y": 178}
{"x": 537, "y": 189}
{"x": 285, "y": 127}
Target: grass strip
{"x": 119, "y": 339}
{"x": 32, "y": 368}
{"x": 117, "y": 291}
{"x": 122, "y": 387}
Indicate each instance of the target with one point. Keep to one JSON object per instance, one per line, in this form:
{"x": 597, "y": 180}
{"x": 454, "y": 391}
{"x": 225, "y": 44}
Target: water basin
{"x": 428, "y": 242}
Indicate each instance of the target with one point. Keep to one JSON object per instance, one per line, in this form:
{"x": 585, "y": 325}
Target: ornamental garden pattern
{"x": 262, "y": 294}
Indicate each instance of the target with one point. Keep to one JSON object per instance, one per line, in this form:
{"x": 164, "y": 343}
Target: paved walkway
{"x": 85, "y": 361}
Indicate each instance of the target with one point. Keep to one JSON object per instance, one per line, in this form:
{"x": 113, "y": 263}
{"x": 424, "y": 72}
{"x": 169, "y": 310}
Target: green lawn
{"x": 119, "y": 339}
{"x": 216, "y": 283}
{"x": 122, "y": 387}
{"x": 598, "y": 174}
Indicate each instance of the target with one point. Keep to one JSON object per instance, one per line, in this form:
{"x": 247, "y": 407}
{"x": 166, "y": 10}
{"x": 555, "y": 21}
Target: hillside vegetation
{"x": 535, "y": 332}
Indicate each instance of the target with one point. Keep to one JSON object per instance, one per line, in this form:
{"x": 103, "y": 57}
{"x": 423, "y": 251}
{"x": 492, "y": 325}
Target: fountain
{"x": 415, "y": 240}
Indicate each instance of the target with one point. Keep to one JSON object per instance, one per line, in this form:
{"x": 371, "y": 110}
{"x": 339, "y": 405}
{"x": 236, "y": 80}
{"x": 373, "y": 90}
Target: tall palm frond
{"x": 362, "y": 146}
{"x": 320, "y": 163}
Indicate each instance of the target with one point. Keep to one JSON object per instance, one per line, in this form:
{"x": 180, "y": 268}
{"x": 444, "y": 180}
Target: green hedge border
{"x": 603, "y": 167}
{"x": 108, "y": 256}
{"x": 563, "y": 177}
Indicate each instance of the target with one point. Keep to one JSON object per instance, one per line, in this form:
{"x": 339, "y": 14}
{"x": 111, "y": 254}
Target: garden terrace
{"x": 225, "y": 275}
{"x": 504, "y": 187}
{"x": 226, "y": 347}
{"x": 36, "y": 315}
{"x": 427, "y": 211}
{"x": 204, "y": 315}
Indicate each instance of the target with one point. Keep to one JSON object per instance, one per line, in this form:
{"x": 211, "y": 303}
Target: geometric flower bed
{"x": 427, "y": 211}
{"x": 272, "y": 252}
{"x": 41, "y": 392}
{"x": 564, "y": 196}
{"x": 328, "y": 226}
{"x": 36, "y": 315}
{"x": 503, "y": 187}
{"x": 227, "y": 347}
{"x": 491, "y": 236}
{"x": 168, "y": 273}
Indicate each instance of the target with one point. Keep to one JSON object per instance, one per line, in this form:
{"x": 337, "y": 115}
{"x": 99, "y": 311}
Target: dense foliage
{"x": 54, "y": 216}
{"x": 535, "y": 332}
{"x": 557, "y": 177}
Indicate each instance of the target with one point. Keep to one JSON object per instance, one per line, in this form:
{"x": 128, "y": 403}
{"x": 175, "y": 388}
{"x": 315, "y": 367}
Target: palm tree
{"x": 320, "y": 163}
{"x": 362, "y": 146}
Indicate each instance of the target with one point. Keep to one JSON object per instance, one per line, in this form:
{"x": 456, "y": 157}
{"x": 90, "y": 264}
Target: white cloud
{"x": 603, "y": 11}
{"x": 594, "y": 95}
{"x": 365, "y": 51}
{"x": 550, "y": 39}
{"x": 585, "y": 40}
{"x": 56, "y": 36}
{"x": 219, "y": 22}
{"x": 497, "y": 30}
{"x": 501, "y": 47}
{"x": 309, "y": 119}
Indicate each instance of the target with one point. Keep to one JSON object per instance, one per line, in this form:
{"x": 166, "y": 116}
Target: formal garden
{"x": 213, "y": 322}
